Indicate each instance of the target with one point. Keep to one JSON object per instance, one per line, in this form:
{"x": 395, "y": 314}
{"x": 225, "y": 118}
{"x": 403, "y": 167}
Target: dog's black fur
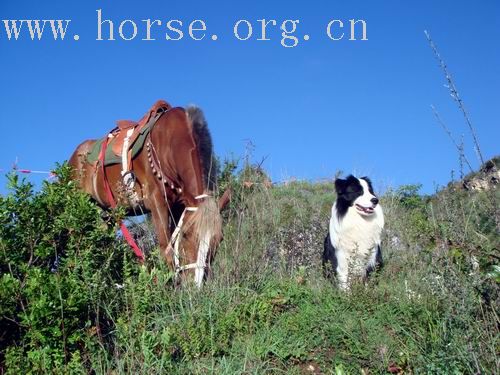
{"x": 329, "y": 258}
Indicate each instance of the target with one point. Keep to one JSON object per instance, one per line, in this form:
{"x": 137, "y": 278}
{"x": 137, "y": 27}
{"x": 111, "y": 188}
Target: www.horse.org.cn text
{"x": 287, "y": 33}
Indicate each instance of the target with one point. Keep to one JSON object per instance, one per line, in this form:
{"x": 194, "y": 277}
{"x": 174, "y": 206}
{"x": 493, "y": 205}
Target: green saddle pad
{"x": 110, "y": 158}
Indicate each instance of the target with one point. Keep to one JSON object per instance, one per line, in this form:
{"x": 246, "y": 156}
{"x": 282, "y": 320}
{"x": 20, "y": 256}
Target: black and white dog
{"x": 352, "y": 246}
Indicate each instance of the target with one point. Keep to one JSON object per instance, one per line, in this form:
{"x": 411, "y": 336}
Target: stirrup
{"x": 129, "y": 181}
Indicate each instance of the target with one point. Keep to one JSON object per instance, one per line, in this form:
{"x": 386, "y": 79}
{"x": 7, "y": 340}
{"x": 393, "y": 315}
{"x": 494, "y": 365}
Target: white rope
{"x": 175, "y": 241}
{"x": 201, "y": 196}
{"x": 200, "y": 264}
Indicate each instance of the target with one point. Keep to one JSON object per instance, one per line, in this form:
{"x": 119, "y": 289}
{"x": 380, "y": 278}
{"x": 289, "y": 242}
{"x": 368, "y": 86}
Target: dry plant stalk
{"x": 455, "y": 95}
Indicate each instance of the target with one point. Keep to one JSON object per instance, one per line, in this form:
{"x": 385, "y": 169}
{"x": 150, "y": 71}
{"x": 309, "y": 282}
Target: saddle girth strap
{"x": 112, "y": 203}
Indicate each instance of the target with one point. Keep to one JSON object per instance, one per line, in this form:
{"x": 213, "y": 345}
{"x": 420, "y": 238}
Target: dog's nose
{"x": 374, "y": 201}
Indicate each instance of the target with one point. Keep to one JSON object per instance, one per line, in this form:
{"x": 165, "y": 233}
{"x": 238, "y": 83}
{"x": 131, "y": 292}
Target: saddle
{"x": 121, "y": 149}
{"x": 129, "y": 130}
{"x": 123, "y": 143}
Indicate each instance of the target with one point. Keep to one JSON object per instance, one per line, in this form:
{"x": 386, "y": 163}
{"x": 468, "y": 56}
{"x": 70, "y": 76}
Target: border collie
{"x": 352, "y": 245}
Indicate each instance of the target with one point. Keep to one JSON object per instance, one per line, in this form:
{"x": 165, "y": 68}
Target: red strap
{"x": 131, "y": 242}
{"x": 112, "y": 203}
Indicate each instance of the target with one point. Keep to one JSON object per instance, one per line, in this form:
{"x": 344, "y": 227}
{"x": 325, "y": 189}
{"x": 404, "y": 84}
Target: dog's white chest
{"x": 356, "y": 238}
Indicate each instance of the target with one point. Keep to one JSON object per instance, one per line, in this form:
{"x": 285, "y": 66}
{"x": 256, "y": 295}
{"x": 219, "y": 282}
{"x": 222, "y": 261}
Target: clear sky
{"x": 358, "y": 106}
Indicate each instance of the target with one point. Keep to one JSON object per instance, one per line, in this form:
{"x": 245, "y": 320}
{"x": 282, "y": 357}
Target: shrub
{"x": 58, "y": 262}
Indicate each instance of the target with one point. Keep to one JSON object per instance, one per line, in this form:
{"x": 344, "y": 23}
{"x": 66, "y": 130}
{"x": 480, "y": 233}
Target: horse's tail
{"x": 204, "y": 144}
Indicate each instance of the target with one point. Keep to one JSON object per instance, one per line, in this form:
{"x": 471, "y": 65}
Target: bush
{"x": 58, "y": 262}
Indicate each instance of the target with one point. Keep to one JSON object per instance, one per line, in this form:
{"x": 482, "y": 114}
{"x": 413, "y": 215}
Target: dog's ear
{"x": 369, "y": 182}
{"x": 340, "y": 185}
{"x": 367, "y": 179}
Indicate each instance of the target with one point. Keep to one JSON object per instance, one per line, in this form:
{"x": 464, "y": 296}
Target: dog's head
{"x": 357, "y": 193}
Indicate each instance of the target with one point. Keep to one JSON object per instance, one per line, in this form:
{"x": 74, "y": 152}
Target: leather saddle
{"x": 123, "y": 126}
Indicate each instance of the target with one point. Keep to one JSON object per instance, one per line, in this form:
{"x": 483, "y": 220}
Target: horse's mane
{"x": 207, "y": 219}
{"x": 204, "y": 144}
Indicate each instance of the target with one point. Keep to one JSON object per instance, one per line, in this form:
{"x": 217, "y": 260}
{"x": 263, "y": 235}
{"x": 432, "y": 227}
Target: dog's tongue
{"x": 365, "y": 209}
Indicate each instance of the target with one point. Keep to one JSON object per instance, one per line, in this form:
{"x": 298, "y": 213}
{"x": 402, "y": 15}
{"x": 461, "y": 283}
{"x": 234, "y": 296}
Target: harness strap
{"x": 125, "y": 163}
{"x": 112, "y": 203}
{"x": 128, "y": 177}
{"x": 201, "y": 196}
{"x": 185, "y": 267}
{"x": 175, "y": 241}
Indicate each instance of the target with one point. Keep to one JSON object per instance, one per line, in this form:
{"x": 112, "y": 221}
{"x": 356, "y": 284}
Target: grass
{"x": 267, "y": 308}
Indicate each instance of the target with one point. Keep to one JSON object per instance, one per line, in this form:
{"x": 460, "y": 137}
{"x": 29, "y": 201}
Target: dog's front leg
{"x": 342, "y": 271}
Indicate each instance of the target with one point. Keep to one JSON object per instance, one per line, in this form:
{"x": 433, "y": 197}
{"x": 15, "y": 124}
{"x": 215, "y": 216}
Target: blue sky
{"x": 356, "y": 106}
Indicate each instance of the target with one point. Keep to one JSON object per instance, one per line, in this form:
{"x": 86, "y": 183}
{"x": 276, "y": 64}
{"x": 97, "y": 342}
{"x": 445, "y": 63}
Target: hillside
{"x": 486, "y": 178}
{"x": 74, "y": 299}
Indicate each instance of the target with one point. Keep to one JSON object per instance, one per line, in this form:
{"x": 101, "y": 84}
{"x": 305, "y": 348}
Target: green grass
{"x": 267, "y": 308}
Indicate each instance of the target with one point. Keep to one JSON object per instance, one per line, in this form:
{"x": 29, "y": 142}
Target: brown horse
{"x": 173, "y": 180}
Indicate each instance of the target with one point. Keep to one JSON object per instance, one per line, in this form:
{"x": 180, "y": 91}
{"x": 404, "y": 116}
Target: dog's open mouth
{"x": 366, "y": 210}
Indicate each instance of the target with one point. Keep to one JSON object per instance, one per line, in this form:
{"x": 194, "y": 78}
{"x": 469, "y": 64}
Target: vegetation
{"x": 75, "y": 301}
